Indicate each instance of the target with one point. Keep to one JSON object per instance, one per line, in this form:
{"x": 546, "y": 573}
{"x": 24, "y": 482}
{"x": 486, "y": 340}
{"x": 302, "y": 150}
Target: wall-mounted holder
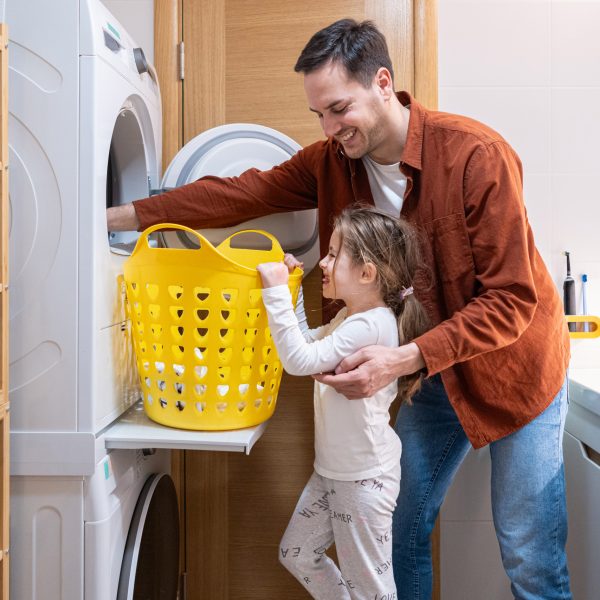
{"x": 592, "y": 322}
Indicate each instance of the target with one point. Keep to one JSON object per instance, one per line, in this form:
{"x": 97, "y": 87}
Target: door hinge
{"x": 183, "y": 587}
{"x": 181, "y": 61}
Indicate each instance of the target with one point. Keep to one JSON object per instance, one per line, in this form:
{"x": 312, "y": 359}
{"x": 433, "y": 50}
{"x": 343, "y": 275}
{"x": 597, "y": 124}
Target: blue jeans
{"x": 528, "y": 495}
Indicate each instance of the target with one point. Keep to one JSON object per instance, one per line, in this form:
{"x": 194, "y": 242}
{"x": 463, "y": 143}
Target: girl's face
{"x": 340, "y": 275}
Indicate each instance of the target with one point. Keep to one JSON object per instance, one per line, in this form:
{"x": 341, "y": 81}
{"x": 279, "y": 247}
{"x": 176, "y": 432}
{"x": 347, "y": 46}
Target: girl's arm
{"x": 276, "y": 274}
{"x": 302, "y": 357}
{"x": 310, "y": 335}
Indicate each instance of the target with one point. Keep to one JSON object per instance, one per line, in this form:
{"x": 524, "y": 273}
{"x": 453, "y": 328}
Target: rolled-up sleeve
{"x": 223, "y": 202}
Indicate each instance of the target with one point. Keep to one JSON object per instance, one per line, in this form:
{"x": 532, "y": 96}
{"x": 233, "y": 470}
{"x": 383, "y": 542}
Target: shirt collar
{"x": 413, "y": 149}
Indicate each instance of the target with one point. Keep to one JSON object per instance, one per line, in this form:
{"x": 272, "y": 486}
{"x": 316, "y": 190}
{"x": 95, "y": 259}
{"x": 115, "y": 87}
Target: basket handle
{"x": 276, "y": 248}
{"x": 144, "y": 236}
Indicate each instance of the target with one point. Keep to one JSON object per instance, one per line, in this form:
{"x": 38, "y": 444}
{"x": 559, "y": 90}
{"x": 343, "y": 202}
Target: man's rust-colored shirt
{"x": 499, "y": 338}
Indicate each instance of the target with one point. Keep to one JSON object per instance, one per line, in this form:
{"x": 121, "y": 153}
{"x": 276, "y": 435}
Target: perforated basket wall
{"x": 204, "y": 352}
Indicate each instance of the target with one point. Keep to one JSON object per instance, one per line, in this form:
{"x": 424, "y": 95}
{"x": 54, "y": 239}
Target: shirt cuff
{"x": 277, "y": 292}
{"x": 436, "y": 351}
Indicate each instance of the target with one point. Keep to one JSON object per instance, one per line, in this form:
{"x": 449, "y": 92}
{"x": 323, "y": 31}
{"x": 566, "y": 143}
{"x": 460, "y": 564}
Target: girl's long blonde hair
{"x": 369, "y": 235}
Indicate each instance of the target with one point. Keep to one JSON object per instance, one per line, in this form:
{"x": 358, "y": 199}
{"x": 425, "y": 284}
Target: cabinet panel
{"x": 4, "y": 502}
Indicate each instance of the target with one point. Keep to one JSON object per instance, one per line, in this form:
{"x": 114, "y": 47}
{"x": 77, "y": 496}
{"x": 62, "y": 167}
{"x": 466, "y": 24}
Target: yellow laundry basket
{"x": 204, "y": 352}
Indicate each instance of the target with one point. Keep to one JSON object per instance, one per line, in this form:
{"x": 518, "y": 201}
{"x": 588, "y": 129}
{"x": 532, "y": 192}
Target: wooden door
{"x": 239, "y": 58}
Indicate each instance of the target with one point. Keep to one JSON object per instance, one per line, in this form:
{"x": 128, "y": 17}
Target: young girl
{"x": 352, "y": 493}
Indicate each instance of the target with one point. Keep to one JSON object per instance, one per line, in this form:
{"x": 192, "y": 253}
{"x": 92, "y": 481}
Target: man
{"x": 497, "y": 353}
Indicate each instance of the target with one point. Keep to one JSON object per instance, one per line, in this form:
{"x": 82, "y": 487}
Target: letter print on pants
{"x": 357, "y": 516}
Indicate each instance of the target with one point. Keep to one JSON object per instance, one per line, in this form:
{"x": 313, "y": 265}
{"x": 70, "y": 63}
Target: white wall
{"x": 528, "y": 68}
{"x": 137, "y": 17}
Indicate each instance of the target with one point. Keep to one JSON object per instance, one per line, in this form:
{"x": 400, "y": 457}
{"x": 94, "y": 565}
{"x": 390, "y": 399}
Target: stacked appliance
{"x": 84, "y": 134}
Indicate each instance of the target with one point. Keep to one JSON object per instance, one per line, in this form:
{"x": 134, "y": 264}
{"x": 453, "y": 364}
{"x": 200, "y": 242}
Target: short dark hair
{"x": 360, "y": 47}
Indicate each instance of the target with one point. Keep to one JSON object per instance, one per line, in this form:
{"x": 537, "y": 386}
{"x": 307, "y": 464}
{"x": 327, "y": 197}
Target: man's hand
{"x": 273, "y": 273}
{"x": 122, "y": 218}
{"x": 370, "y": 369}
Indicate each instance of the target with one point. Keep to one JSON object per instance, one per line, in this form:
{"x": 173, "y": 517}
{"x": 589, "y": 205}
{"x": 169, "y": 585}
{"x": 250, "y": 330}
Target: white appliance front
{"x": 129, "y": 505}
{"x": 85, "y": 131}
{"x": 43, "y": 155}
{"x": 120, "y": 142}
{"x": 70, "y": 535}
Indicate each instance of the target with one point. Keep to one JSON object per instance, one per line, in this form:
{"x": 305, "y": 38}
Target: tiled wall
{"x": 530, "y": 69}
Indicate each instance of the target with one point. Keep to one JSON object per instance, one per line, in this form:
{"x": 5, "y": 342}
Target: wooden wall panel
{"x": 426, "y": 52}
{"x": 261, "y": 84}
{"x": 167, "y": 35}
{"x": 207, "y": 525}
{"x": 395, "y": 21}
{"x": 204, "y": 83}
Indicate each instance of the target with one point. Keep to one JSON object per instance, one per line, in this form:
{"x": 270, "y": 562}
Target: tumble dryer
{"x": 85, "y": 131}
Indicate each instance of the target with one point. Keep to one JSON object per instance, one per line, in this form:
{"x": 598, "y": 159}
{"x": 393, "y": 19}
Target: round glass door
{"x": 150, "y": 569}
{"x": 228, "y": 151}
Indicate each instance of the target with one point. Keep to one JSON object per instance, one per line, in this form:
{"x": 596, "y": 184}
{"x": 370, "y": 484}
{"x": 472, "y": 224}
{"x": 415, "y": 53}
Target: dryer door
{"x": 227, "y": 151}
{"x": 151, "y": 559}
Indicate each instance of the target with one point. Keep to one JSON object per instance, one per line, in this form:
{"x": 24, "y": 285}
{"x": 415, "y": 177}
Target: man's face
{"x": 347, "y": 111}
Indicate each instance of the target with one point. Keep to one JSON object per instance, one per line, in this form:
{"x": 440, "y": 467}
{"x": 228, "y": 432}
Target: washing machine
{"x": 582, "y": 471}
{"x": 227, "y": 151}
{"x": 111, "y": 535}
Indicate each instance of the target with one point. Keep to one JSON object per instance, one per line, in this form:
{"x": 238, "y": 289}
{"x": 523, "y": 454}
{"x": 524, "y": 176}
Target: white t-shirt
{"x": 353, "y": 438}
{"x": 388, "y": 185}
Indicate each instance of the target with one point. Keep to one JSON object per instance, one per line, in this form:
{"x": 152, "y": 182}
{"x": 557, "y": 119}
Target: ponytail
{"x": 412, "y": 322}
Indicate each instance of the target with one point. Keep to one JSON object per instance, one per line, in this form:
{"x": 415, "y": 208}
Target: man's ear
{"x": 383, "y": 81}
{"x": 368, "y": 273}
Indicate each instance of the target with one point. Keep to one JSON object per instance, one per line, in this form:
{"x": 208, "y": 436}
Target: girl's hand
{"x": 273, "y": 273}
{"x": 292, "y": 262}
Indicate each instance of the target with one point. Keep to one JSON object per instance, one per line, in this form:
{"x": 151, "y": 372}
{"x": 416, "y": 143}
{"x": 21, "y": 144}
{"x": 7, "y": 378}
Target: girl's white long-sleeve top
{"x": 353, "y": 438}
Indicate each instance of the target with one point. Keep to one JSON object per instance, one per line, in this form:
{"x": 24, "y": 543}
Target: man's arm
{"x": 122, "y": 218}
{"x": 503, "y": 251}
{"x": 227, "y": 201}
{"x": 372, "y": 368}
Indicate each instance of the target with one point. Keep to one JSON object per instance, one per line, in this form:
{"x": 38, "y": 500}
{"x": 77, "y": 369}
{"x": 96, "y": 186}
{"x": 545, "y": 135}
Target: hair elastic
{"x": 406, "y": 292}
